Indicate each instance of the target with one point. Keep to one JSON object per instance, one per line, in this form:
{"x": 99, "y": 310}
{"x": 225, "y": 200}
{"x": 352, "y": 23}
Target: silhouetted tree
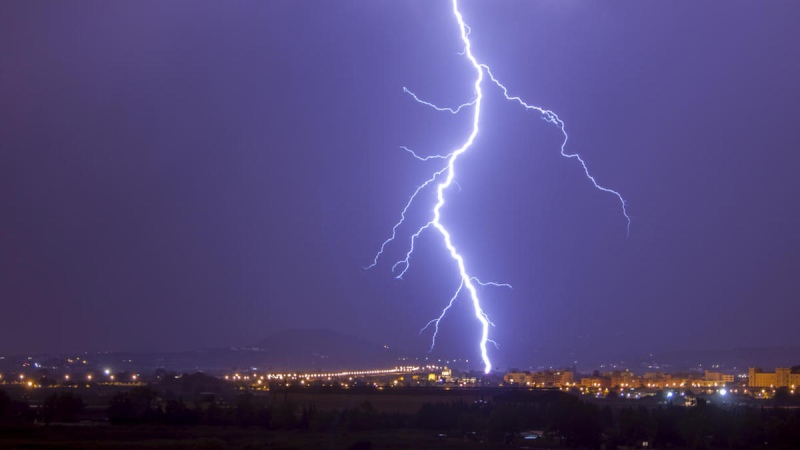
{"x": 666, "y": 422}
{"x": 504, "y": 419}
{"x": 5, "y": 405}
{"x": 782, "y": 396}
{"x": 176, "y": 412}
{"x": 283, "y": 417}
{"x": 748, "y": 429}
{"x": 63, "y": 407}
{"x": 121, "y": 410}
{"x": 246, "y": 413}
{"x": 361, "y": 418}
{"x": 134, "y": 406}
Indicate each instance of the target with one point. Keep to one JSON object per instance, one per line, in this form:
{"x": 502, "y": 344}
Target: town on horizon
{"x": 93, "y": 369}
{"x": 113, "y": 396}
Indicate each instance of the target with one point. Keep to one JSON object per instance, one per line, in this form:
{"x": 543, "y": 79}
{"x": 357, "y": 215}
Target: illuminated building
{"x": 550, "y": 378}
{"x": 718, "y": 377}
{"x": 447, "y": 375}
{"x": 547, "y": 378}
{"x": 624, "y": 379}
{"x": 517, "y": 378}
{"x": 595, "y": 382}
{"x": 782, "y": 377}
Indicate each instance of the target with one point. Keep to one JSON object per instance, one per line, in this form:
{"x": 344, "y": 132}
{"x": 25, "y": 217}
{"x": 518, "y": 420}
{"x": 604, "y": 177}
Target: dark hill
{"x": 740, "y": 358}
{"x": 318, "y": 349}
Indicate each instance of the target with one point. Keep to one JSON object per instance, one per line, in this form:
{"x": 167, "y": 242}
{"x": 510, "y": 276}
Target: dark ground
{"x": 147, "y": 437}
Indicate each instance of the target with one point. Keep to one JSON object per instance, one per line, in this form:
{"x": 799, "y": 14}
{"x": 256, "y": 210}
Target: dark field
{"x": 187, "y": 412}
{"x": 95, "y": 396}
{"x": 95, "y": 432}
{"x": 390, "y": 400}
{"x": 143, "y": 437}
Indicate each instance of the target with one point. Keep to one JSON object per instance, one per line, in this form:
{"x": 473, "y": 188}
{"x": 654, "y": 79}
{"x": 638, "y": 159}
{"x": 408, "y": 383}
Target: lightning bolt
{"x": 443, "y": 178}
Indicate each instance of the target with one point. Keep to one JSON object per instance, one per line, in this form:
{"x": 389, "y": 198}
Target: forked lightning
{"x": 442, "y": 179}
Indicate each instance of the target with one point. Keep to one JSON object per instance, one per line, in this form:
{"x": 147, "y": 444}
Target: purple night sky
{"x": 182, "y": 175}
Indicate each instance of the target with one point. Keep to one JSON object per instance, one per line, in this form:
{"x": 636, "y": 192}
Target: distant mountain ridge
{"x": 296, "y": 350}
{"x": 740, "y": 358}
{"x": 291, "y": 350}
{"x": 322, "y": 349}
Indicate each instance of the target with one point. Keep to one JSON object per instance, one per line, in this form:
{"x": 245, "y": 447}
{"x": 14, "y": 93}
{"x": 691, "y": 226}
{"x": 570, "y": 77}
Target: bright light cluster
{"x": 345, "y": 373}
{"x": 356, "y": 373}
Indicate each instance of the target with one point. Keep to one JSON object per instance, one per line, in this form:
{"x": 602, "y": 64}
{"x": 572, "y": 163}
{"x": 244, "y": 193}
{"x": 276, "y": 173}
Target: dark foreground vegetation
{"x": 202, "y": 412}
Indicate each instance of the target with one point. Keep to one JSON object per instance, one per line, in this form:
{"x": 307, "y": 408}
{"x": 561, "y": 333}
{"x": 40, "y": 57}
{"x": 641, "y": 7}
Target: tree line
{"x": 558, "y": 419}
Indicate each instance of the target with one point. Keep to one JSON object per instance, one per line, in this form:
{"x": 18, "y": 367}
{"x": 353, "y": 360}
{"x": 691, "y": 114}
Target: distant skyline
{"x": 183, "y": 176}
